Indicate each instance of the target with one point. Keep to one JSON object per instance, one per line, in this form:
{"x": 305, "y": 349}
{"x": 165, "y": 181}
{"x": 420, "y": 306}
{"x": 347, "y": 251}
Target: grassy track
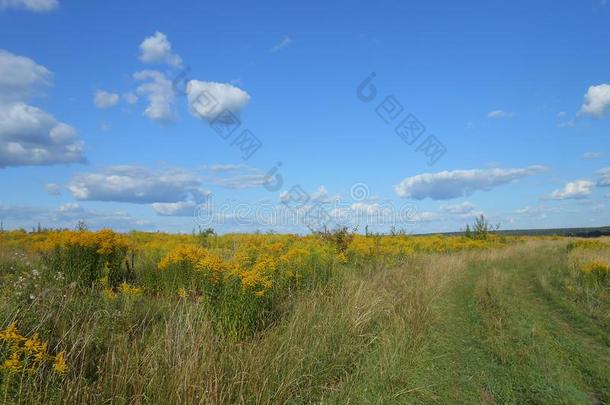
{"x": 498, "y": 338}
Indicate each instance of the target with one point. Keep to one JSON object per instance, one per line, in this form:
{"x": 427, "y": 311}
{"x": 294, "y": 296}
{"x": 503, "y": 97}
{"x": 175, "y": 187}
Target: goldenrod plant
{"x": 329, "y": 317}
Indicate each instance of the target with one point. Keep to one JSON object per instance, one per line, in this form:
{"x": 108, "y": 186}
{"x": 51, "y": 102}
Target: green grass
{"x": 471, "y": 327}
{"x": 497, "y": 338}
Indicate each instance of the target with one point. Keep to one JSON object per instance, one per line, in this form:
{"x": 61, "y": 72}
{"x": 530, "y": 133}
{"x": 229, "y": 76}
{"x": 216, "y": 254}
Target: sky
{"x": 293, "y": 116}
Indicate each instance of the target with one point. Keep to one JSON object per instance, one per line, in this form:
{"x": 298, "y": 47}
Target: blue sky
{"x": 109, "y": 113}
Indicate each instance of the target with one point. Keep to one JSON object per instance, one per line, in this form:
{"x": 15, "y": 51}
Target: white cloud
{"x": 157, "y": 49}
{"x": 208, "y": 99}
{"x": 130, "y": 98}
{"x": 69, "y": 214}
{"x": 367, "y": 208}
{"x": 175, "y": 209}
{"x": 592, "y": 155}
{"x": 597, "y": 101}
{"x": 462, "y": 211}
{"x": 604, "y": 180}
{"x": 52, "y": 189}
{"x": 21, "y": 77}
{"x": 458, "y": 183}
{"x": 573, "y": 190}
{"x": 321, "y": 195}
{"x": 282, "y": 44}
{"x": 425, "y": 216}
{"x": 134, "y": 184}
{"x": 160, "y": 94}
{"x": 29, "y": 135}
{"x": 104, "y": 99}
{"x": 500, "y": 114}
{"x": 32, "y": 5}
{"x": 241, "y": 181}
{"x": 462, "y": 208}
{"x": 539, "y": 212}
{"x": 235, "y": 176}
{"x": 222, "y": 168}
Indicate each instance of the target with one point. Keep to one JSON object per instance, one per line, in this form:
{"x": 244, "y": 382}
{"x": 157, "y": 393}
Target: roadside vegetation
{"x": 337, "y": 317}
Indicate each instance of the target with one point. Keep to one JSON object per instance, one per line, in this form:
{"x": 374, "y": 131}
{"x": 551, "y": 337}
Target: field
{"x": 101, "y": 317}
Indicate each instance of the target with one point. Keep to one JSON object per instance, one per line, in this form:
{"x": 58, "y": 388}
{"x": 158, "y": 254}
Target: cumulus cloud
{"x": 21, "y": 77}
{"x": 135, "y": 184}
{"x": 52, "y": 189}
{"x": 160, "y": 94}
{"x": 446, "y": 185}
{"x": 32, "y": 5}
{"x": 104, "y": 99}
{"x": 573, "y": 190}
{"x": 500, "y": 114}
{"x": 592, "y": 155}
{"x": 158, "y": 49}
{"x": 597, "y": 101}
{"x": 604, "y": 180}
{"x": 208, "y": 99}
{"x": 367, "y": 208}
{"x": 282, "y": 44}
{"x": 29, "y": 135}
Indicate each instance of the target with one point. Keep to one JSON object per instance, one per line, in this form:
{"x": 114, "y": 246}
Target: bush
{"x": 85, "y": 257}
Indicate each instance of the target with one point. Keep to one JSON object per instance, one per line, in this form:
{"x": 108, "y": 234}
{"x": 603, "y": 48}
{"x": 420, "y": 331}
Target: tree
{"x": 481, "y": 228}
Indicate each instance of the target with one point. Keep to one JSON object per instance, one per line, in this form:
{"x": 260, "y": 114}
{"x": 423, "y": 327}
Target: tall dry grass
{"x": 171, "y": 353}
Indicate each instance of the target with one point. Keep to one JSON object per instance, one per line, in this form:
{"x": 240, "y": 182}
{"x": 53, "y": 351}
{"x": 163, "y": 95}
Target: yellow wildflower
{"x": 11, "y": 334}
{"x": 59, "y": 365}
{"x": 184, "y": 254}
{"x": 182, "y": 293}
{"x": 213, "y": 265}
{"x": 595, "y": 266}
{"x": 12, "y": 364}
{"x": 109, "y": 294}
{"x": 129, "y": 289}
{"x": 34, "y": 346}
{"x": 341, "y": 257}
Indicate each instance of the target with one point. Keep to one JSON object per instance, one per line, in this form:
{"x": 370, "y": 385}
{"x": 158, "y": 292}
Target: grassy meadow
{"x": 153, "y": 318}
